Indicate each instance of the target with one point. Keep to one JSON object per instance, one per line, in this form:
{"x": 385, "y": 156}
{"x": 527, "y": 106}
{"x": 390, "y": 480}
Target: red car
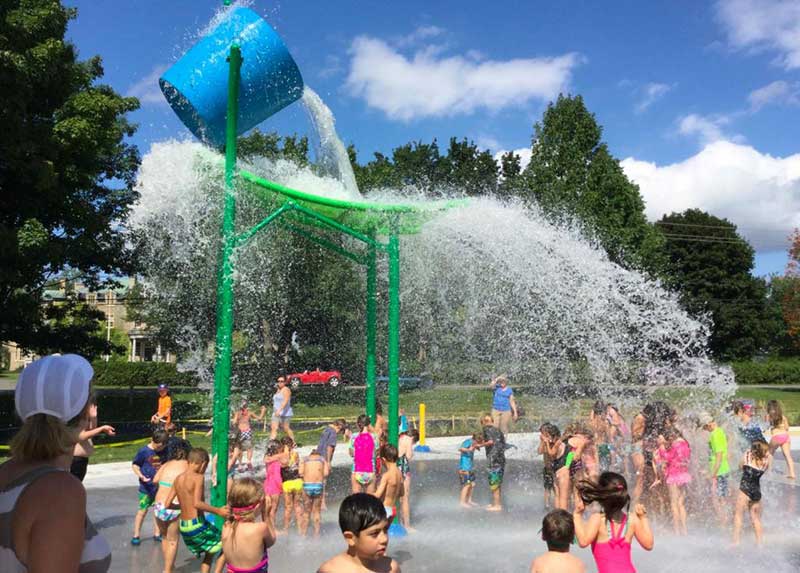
{"x": 330, "y": 377}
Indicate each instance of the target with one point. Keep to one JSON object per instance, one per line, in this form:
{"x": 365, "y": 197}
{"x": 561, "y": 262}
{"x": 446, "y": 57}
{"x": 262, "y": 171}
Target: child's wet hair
{"x": 274, "y": 447}
{"x": 477, "y": 437}
{"x": 550, "y": 429}
{"x": 599, "y": 408}
{"x": 360, "y": 511}
{"x": 245, "y": 493}
{"x": 389, "y": 453}
{"x": 362, "y": 422}
{"x": 759, "y": 449}
{"x": 610, "y": 491}
{"x": 413, "y": 433}
{"x": 774, "y": 413}
{"x": 287, "y": 441}
{"x": 198, "y": 456}
{"x": 160, "y": 437}
{"x": 558, "y": 530}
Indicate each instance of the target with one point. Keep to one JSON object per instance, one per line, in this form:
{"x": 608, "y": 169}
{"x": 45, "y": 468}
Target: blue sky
{"x": 700, "y": 100}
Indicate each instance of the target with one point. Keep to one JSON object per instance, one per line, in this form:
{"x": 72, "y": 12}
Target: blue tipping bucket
{"x": 196, "y": 86}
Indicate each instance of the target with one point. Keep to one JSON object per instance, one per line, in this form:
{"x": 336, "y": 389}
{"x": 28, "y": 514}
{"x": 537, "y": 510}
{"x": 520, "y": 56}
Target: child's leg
{"x": 497, "y": 497}
{"x": 220, "y": 563}
{"x": 299, "y": 510}
{"x": 638, "y": 468}
{"x": 787, "y": 453}
{"x": 755, "y": 517}
{"x": 564, "y": 488}
{"x": 405, "y": 503}
{"x": 741, "y": 503}
{"x": 205, "y": 565}
{"x": 170, "y": 534}
{"x": 308, "y": 501}
{"x": 274, "y": 500}
{"x": 674, "y": 506}
{"x": 682, "y": 509}
{"x": 372, "y": 485}
{"x": 287, "y": 510}
{"x": 354, "y": 485}
{"x": 137, "y": 522}
{"x": 315, "y": 512}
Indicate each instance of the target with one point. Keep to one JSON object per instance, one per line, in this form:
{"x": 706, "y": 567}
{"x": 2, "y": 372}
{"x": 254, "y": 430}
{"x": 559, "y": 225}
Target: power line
{"x": 724, "y": 227}
{"x": 703, "y": 238}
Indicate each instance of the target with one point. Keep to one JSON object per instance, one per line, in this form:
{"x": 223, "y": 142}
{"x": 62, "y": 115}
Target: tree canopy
{"x": 66, "y": 176}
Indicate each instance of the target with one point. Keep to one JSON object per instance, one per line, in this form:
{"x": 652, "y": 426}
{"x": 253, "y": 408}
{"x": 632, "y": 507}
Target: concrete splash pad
{"x": 452, "y": 539}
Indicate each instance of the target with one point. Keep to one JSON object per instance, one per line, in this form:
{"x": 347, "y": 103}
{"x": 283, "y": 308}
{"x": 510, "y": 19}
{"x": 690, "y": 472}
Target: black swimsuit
{"x": 751, "y": 482}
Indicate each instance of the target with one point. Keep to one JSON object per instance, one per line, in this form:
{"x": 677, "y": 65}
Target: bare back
{"x": 245, "y": 544}
{"x": 166, "y": 476}
{"x": 186, "y": 488}
{"x": 314, "y": 469}
{"x": 391, "y": 488}
{"x": 405, "y": 447}
{"x": 556, "y": 562}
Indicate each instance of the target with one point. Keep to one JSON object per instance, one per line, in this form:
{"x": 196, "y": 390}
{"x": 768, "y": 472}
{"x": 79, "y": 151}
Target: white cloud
{"x": 778, "y": 92}
{"x": 524, "y": 154}
{"x": 147, "y": 89}
{"x": 772, "y": 25}
{"x": 756, "y": 191}
{"x": 421, "y": 34}
{"x": 429, "y": 84}
{"x": 650, "y": 94}
{"x": 707, "y": 129}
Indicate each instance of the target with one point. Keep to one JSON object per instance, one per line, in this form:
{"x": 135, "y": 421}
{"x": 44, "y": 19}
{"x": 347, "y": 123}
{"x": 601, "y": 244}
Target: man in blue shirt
{"x": 504, "y": 407}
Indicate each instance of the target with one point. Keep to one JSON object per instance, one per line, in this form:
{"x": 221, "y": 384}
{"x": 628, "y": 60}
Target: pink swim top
{"x": 614, "y": 556}
{"x": 273, "y": 484}
{"x": 677, "y": 460}
{"x": 364, "y": 453}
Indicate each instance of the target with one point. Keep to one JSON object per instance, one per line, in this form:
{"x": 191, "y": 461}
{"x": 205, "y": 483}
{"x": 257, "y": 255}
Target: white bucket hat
{"x": 56, "y": 385}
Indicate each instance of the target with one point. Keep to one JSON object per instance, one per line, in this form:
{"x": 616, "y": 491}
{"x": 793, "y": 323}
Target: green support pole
{"x": 371, "y": 306}
{"x": 223, "y": 350}
{"x": 394, "y": 336}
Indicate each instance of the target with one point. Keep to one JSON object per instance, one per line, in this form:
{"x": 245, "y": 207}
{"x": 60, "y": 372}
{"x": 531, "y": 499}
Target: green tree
{"x": 710, "y": 264}
{"x": 66, "y": 177}
{"x": 790, "y": 293}
{"x": 572, "y": 175}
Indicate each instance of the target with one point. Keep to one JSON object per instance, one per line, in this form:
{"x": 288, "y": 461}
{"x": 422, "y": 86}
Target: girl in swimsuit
{"x": 779, "y": 433}
{"x": 245, "y": 542}
{"x": 292, "y": 485}
{"x": 754, "y": 463}
{"x": 273, "y": 482}
{"x": 637, "y": 454}
{"x": 675, "y": 455}
{"x": 620, "y": 436}
{"x": 611, "y": 532}
{"x": 566, "y": 453}
{"x": 167, "y": 516}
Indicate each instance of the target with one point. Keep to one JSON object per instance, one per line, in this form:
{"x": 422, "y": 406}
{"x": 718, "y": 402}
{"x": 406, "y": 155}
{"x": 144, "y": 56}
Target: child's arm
{"x": 642, "y": 531}
{"x": 326, "y": 468}
{"x": 541, "y": 448}
{"x": 301, "y": 469}
{"x": 89, "y": 434}
{"x": 138, "y": 471}
{"x": 269, "y": 528}
{"x": 203, "y": 506}
{"x": 173, "y": 491}
{"x": 381, "y": 491}
{"x": 585, "y": 531}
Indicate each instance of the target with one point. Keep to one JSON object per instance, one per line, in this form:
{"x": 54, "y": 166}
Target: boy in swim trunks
{"x": 391, "y": 488}
{"x": 494, "y": 443}
{"x": 366, "y": 531}
{"x": 717, "y": 464}
{"x": 200, "y": 535}
{"x": 405, "y": 453}
{"x": 558, "y": 531}
{"x": 145, "y": 465}
{"x": 313, "y": 469}
{"x": 466, "y": 468}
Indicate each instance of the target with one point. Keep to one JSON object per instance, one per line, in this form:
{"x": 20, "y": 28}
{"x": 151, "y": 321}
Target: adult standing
{"x": 281, "y": 410}
{"x": 504, "y": 407}
{"x": 43, "y": 523}
{"x": 87, "y": 429}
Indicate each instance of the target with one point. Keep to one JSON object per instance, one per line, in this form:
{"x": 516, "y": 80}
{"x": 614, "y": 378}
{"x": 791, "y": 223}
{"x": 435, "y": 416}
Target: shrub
{"x": 123, "y": 374}
{"x": 769, "y": 371}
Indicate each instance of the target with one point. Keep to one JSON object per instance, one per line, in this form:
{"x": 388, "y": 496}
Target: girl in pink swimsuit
{"x": 779, "y": 435}
{"x": 676, "y": 453}
{"x": 273, "y": 483}
{"x": 610, "y": 533}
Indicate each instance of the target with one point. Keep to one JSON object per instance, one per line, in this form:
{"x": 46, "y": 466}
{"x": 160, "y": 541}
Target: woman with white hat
{"x": 43, "y": 523}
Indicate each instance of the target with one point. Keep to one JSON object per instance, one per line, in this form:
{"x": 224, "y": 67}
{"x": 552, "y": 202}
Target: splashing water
{"x": 332, "y": 156}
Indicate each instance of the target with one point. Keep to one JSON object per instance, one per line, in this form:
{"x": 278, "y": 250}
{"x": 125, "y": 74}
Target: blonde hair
{"x": 244, "y": 500}
{"x": 43, "y": 437}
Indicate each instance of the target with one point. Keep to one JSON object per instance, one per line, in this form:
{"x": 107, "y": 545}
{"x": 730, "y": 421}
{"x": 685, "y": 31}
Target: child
{"x": 200, "y": 535}
{"x": 717, "y": 464}
{"x": 362, "y": 450}
{"x": 548, "y": 433}
{"x": 494, "y": 444}
{"x": 754, "y": 463}
{"x": 366, "y": 531}
{"x": 558, "y": 530}
{"x": 749, "y": 429}
{"x": 314, "y": 469}
{"x": 145, "y": 465}
{"x": 391, "y": 488}
{"x": 779, "y": 434}
{"x": 241, "y": 419}
{"x": 466, "y": 468}
{"x": 610, "y": 533}
{"x": 676, "y": 453}
{"x": 167, "y": 515}
{"x": 292, "y": 485}
{"x": 163, "y": 414}
{"x": 273, "y": 483}
{"x": 245, "y": 542}
{"x": 405, "y": 451}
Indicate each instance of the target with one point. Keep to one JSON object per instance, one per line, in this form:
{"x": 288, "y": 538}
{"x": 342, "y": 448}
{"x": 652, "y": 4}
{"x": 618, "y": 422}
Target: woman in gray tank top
{"x": 43, "y": 523}
{"x": 281, "y": 410}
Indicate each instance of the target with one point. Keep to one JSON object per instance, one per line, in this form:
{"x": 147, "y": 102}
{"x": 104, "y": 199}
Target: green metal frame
{"x": 370, "y": 220}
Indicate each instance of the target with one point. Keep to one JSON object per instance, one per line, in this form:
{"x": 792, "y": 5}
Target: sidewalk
{"x": 523, "y": 447}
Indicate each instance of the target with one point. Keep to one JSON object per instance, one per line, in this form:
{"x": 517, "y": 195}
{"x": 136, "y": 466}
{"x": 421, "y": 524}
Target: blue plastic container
{"x": 196, "y": 86}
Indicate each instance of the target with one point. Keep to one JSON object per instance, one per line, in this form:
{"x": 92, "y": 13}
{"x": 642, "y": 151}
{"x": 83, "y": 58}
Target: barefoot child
{"x": 610, "y": 533}
{"x": 292, "y": 485}
{"x": 494, "y": 444}
{"x": 391, "y": 488}
{"x": 466, "y": 468}
{"x": 200, "y": 535}
{"x": 314, "y": 469}
{"x": 779, "y": 435}
{"x": 548, "y": 434}
{"x": 405, "y": 451}
{"x": 245, "y": 542}
{"x": 718, "y": 465}
{"x": 366, "y": 532}
{"x": 754, "y": 463}
{"x": 167, "y": 515}
{"x": 676, "y": 454}
{"x": 362, "y": 450}
{"x": 145, "y": 465}
{"x": 558, "y": 531}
